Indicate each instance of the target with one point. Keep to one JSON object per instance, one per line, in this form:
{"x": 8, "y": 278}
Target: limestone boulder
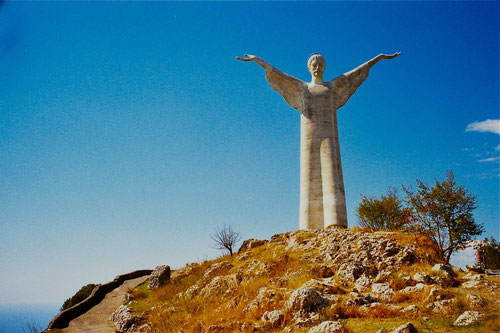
{"x": 266, "y": 297}
{"x": 406, "y": 328}
{"x": 273, "y": 319}
{"x": 384, "y": 290}
{"x": 218, "y": 268}
{"x": 359, "y": 300}
{"x": 306, "y": 299}
{"x": 250, "y": 244}
{"x": 442, "y": 306}
{"x": 471, "y": 284}
{"x": 418, "y": 288}
{"x": 363, "y": 283}
{"x": 159, "y": 277}
{"x": 423, "y": 278}
{"x": 220, "y": 284}
{"x": 445, "y": 270}
{"x": 473, "y": 277}
{"x": 350, "y": 272}
{"x": 305, "y": 319}
{"x": 468, "y": 318}
{"x": 124, "y": 321}
{"x": 433, "y": 293}
{"x": 328, "y": 327}
{"x": 474, "y": 301}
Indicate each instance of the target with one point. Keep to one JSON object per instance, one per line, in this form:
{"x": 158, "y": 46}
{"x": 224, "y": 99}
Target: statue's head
{"x": 316, "y": 65}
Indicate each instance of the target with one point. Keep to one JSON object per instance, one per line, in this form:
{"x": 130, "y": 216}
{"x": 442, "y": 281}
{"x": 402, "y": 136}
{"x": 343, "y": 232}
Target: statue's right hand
{"x": 249, "y": 57}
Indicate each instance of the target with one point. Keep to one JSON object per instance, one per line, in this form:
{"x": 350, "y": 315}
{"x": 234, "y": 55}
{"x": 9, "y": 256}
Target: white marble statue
{"x": 322, "y": 196}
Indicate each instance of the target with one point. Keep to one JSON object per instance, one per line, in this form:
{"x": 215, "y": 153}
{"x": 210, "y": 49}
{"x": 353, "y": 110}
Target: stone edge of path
{"x": 62, "y": 319}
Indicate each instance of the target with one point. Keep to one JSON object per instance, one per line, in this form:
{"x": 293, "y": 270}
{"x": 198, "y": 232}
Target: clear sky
{"x": 128, "y": 131}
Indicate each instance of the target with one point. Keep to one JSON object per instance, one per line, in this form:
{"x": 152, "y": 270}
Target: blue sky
{"x": 128, "y": 131}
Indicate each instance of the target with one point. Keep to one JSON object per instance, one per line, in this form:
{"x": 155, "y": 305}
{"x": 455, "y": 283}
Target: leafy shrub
{"x": 384, "y": 213}
{"x": 491, "y": 251}
{"x": 80, "y": 295}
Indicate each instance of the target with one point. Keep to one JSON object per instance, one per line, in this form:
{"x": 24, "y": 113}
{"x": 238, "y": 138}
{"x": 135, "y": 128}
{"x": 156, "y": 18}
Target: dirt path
{"x": 96, "y": 320}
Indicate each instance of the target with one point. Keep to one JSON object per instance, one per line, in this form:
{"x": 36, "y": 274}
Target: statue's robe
{"x": 322, "y": 195}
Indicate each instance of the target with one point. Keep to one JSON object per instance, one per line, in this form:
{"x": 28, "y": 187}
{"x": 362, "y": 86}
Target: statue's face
{"x": 316, "y": 68}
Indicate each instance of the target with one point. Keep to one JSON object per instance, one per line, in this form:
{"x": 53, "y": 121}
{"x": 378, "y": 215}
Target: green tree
{"x": 80, "y": 295}
{"x": 384, "y": 213}
{"x": 444, "y": 213}
{"x": 491, "y": 253}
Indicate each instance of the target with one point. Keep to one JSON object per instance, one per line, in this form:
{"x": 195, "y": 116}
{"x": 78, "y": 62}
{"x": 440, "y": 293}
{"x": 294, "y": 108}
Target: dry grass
{"x": 173, "y": 311}
{"x": 340, "y": 311}
{"x": 282, "y": 271}
{"x": 426, "y": 248}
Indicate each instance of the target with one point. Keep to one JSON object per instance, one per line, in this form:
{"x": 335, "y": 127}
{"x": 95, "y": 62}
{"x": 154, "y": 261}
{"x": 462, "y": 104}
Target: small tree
{"x": 226, "y": 239}
{"x": 444, "y": 213}
{"x": 384, "y": 213}
{"x": 491, "y": 253}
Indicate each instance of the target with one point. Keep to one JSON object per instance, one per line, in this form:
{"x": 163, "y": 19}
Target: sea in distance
{"x": 17, "y": 318}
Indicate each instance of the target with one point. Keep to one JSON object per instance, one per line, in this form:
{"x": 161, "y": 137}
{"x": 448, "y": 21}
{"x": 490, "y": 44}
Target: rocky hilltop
{"x": 326, "y": 280}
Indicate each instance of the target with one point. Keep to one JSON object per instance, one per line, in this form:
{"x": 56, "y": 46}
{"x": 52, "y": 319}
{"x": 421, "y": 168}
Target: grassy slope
{"x": 167, "y": 310}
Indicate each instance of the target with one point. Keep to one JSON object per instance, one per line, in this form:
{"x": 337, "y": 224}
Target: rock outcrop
{"x": 159, "y": 277}
{"x": 315, "y": 280}
{"x": 468, "y": 318}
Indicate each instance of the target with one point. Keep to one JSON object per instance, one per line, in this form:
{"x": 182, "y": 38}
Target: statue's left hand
{"x": 249, "y": 57}
{"x": 391, "y": 56}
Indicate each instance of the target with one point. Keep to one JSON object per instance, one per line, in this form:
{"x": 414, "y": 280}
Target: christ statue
{"x": 322, "y": 195}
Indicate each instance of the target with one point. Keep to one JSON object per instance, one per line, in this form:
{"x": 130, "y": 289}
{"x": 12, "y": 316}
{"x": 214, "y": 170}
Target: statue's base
{"x": 335, "y": 226}
{"x": 332, "y": 226}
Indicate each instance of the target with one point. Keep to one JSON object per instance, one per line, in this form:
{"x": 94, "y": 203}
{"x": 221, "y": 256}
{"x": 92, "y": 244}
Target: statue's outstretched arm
{"x": 258, "y": 60}
{"x": 373, "y": 61}
{"x": 346, "y": 84}
{"x": 289, "y": 87}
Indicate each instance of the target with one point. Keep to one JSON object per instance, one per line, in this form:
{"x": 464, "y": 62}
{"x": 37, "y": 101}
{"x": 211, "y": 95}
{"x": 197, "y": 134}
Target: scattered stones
{"x": 442, "y": 306}
{"x": 362, "y": 300}
{"x": 219, "y": 284}
{"x": 384, "y": 290}
{"x": 306, "y": 299}
{"x": 363, "y": 283}
{"x": 419, "y": 287}
{"x": 123, "y": 319}
{"x": 433, "y": 294}
{"x": 192, "y": 291}
{"x": 468, "y": 318}
{"x": 471, "y": 284}
{"x": 406, "y": 328}
{"x": 474, "y": 300}
{"x": 265, "y": 297}
{"x": 325, "y": 287}
{"x": 411, "y": 309}
{"x": 328, "y": 327}
{"x": 305, "y": 319}
{"x": 250, "y": 244}
{"x": 216, "y": 269}
{"x": 350, "y": 272}
{"x": 159, "y": 277}
{"x": 423, "y": 277}
{"x": 444, "y": 269}
{"x": 473, "y": 277}
{"x": 273, "y": 319}
{"x": 185, "y": 271}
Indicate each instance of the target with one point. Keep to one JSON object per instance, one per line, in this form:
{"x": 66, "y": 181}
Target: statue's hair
{"x": 317, "y": 57}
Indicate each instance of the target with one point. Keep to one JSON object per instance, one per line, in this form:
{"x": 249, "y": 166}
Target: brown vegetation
{"x": 231, "y": 294}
